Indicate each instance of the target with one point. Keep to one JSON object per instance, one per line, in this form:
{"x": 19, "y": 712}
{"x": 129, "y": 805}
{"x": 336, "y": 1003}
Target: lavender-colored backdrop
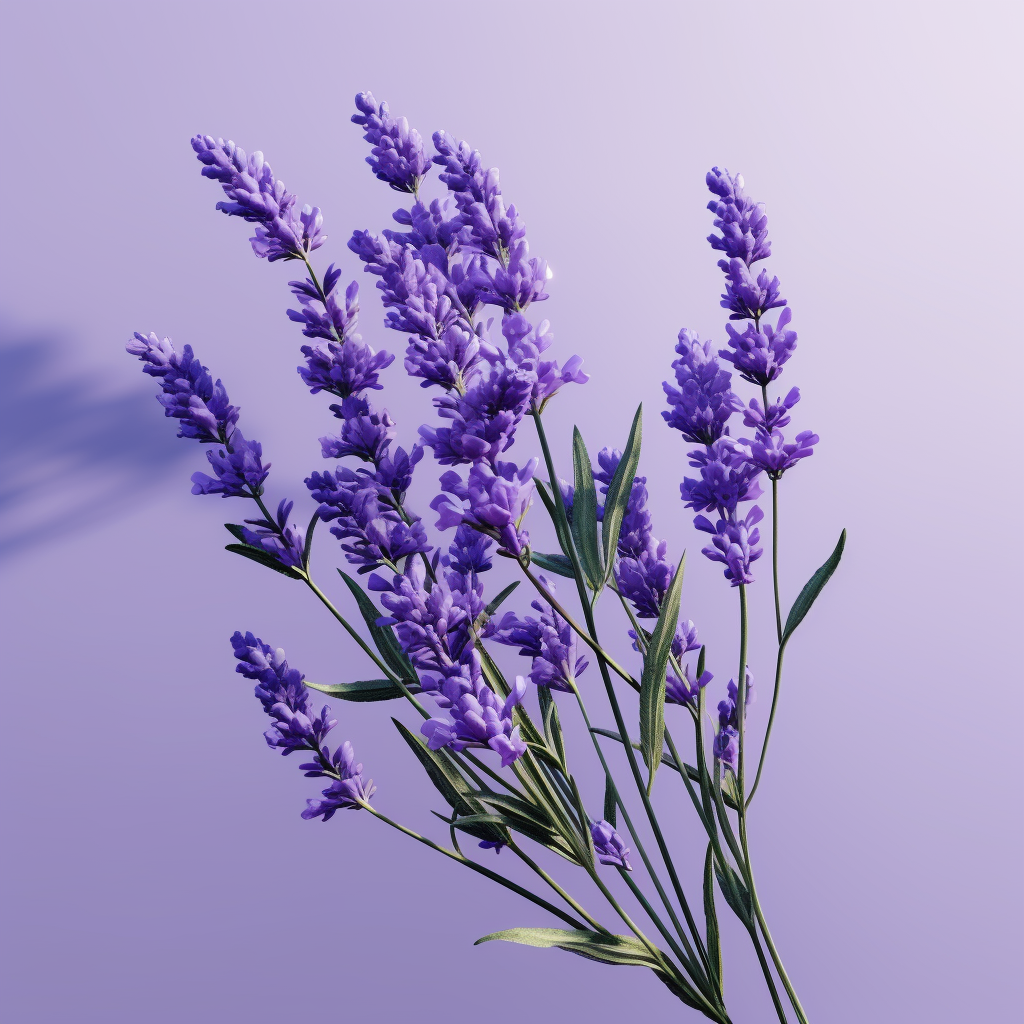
{"x": 155, "y": 865}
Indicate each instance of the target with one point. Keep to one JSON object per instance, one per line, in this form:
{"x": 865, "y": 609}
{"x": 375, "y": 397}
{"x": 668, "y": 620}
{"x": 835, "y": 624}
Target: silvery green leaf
{"x": 610, "y": 803}
{"x": 619, "y": 490}
{"x": 383, "y": 636}
{"x": 501, "y": 598}
{"x": 735, "y": 892}
{"x": 711, "y": 919}
{"x": 264, "y": 558}
{"x": 605, "y": 948}
{"x": 652, "y": 682}
{"x": 365, "y": 690}
{"x": 548, "y": 499}
{"x": 584, "y": 513}
{"x": 813, "y": 587}
{"x": 560, "y": 565}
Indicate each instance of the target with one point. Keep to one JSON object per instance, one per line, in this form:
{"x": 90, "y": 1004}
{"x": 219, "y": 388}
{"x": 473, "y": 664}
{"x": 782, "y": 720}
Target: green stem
{"x": 775, "y": 535}
{"x": 478, "y": 868}
{"x": 541, "y": 873}
{"x": 771, "y": 721}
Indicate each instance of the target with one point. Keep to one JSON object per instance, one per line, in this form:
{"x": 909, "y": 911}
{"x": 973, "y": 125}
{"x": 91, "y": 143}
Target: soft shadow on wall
{"x": 73, "y": 451}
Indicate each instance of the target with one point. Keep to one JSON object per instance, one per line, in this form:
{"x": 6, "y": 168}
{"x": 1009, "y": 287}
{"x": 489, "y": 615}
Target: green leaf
{"x": 481, "y": 826}
{"x": 307, "y": 546}
{"x": 365, "y": 690}
{"x": 813, "y": 587}
{"x": 560, "y": 565}
{"x": 552, "y": 727}
{"x": 443, "y": 774}
{"x": 501, "y": 598}
{"x": 584, "y": 513}
{"x": 736, "y": 895}
{"x": 619, "y": 491}
{"x": 711, "y": 919}
{"x": 610, "y": 803}
{"x": 261, "y": 556}
{"x": 548, "y": 499}
{"x": 606, "y": 949}
{"x": 383, "y": 636}
{"x": 236, "y": 531}
{"x": 652, "y": 682}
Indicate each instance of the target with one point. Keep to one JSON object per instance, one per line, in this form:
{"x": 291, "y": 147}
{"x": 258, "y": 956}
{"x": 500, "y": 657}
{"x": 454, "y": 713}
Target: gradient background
{"x": 155, "y": 865}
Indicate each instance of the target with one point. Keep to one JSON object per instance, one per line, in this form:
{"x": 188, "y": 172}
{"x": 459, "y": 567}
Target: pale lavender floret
{"x": 347, "y": 790}
{"x": 366, "y": 434}
{"x": 488, "y": 227}
{"x": 515, "y": 284}
{"x": 398, "y": 156}
{"x": 483, "y": 420}
{"x": 525, "y": 344}
{"x": 189, "y": 393}
{"x": 493, "y": 500}
{"x": 275, "y": 537}
{"x": 428, "y": 225}
{"x": 685, "y": 690}
{"x": 759, "y": 355}
{"x": 726, "y": 745}
{"x": 644, "y": 581}
{"x": 741, "y": 221}
{"x": 344, "y": 370}
{"x": 549, "y": 640}
{"x": 609, "y": 846}
{"x": 450, "y": 360}
{"x": 771, "y": 453}
{"x": 726, "y": 479}
{"x": 479, "y": 717}
{"x": 776, "y": 416}
{"x": 745, "y": 297}
{"x": 372, "y": 534}
{"x": 239, "y": 470}
{"x": 703, "y": 402}
{"x": 394, "y": 471}
{"x": 733, "y": 543}
{"x": 257, "y": 196}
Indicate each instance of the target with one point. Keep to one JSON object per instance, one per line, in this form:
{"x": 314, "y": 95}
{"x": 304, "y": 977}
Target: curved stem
{"x": 541, "y": 873}
{"x": 474, "y": 866}
{"x": 771, "y": 721}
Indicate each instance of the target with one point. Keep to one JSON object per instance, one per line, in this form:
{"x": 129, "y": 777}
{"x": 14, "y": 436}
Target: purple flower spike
{"x": 733, "y": 543}
{"x": 257, "y": 196}
{"x": 479, "y": 718}
{"x": 759, "y": 355}
{"x": 770, "y": 452}
{"x": 366, "y": 434}
{"x": 741, "y": 221}
{"x": 348, "y": 790}
{"x": 239, "y": 470}
{"x": 726, "y": 745}
{"x": 189, "y": 392}
{"x": 726, "y": 479}
{"x": 398, "y": 156}
{"x": 685, "y": 690}
{"x": 608, "y": 845}
{"x": 702, "y": 404}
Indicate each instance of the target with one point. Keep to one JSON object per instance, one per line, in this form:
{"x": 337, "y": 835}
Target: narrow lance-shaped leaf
{"x": 548, "y": 499}
{"x": 584, "y": 513}
{"x": 619, "y": 491}
{"x": 364, "y": 690}
{"x": 264, "y": 558}
{"x": 711, "y": 919}
{"x": 560, "y": 565}
{"x": 604, "y": 947}
{"x": 652, "y": 682}
{"x": 383, "y": 636}
{"x": 813, "y": 587}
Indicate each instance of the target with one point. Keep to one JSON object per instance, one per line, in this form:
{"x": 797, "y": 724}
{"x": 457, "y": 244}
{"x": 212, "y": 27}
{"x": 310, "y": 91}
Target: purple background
{"x": 155, "y": 865}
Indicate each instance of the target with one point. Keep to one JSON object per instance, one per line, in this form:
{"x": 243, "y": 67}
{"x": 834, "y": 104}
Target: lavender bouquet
{"x": 492, "y": 742}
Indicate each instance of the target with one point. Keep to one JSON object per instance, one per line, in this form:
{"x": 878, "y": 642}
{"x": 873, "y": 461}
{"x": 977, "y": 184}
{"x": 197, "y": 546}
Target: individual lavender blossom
{"x": 549, "y": 640}
{"x": 703, "y": 402}
{"x": 741, "y": 221}
{"x": 525, "y": 344}
{"x": 257, "y": 196}
{"x": 276, "y": 538}
{"x": 726, "y": 744}
{"x": 238, "y": 468}
{"x": 733, "y": 543}
{"x": 372, "y": 534}
{"x": 609, "y": 846}
{"x": 398, "y": 156}
{"x": 190, "y": 394}
{"x": 775, "y": 416}
{"x": 684, "y": 690}
{"x": 747, "y": 297}
{"x": 759, "y": 354}
{"x": 333, "y": 319}
{"x": 494, "y": 501}
{"x": 479, "y": 718}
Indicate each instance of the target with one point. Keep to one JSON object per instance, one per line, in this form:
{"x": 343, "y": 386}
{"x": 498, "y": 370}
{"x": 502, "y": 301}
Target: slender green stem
{"x": 741, "y": 695}
{"x": 767, "y": 972}
{"x": 775, "y": 535}
{"x": 541, "y": 873}
{"x": 474, "y": 866}
{"x": 771, "y": 721}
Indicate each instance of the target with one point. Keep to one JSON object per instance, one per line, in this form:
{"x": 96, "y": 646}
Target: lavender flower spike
{"x": 398, "y": 156}
{"x": 347, "y": 790}
{"x": 239, "y": 470}
{"x": 608, "y": 845}
{"x": 726, "y": 745}
{"x": 702, "y": 404}
{"x": 733, "y": 543}
{"x": 257, "y": 196}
